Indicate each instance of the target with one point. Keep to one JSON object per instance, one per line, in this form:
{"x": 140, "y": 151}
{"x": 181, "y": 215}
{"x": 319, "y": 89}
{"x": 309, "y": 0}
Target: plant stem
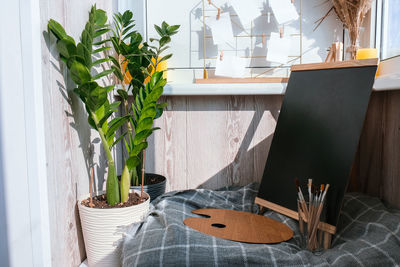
{"x": 143, "y": 164}
{"x": 91, "y": 188}
{"x": 125, "y": 184}
{"x": 112, "y": 188}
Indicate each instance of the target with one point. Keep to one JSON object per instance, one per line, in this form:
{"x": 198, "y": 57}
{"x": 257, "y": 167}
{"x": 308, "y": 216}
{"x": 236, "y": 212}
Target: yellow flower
{"x": 162, "y": 66}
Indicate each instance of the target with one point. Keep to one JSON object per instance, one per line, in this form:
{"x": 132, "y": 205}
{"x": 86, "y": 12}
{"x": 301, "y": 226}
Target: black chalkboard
{"x": 317, "y": 134}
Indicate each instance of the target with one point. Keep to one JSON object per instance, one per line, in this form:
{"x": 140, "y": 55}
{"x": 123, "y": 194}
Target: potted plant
{"x": 104, "y": 217}
{"x": 137, "y": 63}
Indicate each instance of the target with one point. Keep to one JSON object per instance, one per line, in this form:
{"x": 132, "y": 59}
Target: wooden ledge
{"x": 293, "y": 214}
{"x": 244, "y": 80}
{"x": 336, "y": 65}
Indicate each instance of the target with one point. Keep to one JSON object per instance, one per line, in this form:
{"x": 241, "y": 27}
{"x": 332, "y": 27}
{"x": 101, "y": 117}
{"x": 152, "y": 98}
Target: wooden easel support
{"x": 328, "y": 229}
{"x": 335, "y": 52}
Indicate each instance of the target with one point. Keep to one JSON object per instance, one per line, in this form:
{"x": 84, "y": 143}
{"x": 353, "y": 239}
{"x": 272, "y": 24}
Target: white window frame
{"x": 389, "y": 69}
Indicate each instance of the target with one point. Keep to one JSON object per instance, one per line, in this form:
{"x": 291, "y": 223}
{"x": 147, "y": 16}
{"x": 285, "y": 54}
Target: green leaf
{"x": 97, "y": 97}
{"x": 122, "y": 93}
{"x": 139, "y": 104}
{"x": 171, "y": 30}
{"x": 79, "y": 73}
{"x": 148, "y": 112}
{"x": 118, "y": 73}
{"x": 87, "y": 39}
{"x": 166, "y": 57}
{"x": 114, "y": 41}
{"x": 58, "y": 30}
{"x": 154, "y": 95}
{"x": 101, "y": 49}
{"x": 105, "y": 117}
{"x": 139, "y": 148}
{"x": 100, "y": 17}
{"x": 159, "y": 30}
{"x": 159, "y": 112}
{"x": 132, "y": 162}
{"x": 126, "y": 17}
{"x": 110, "y": 140}
{"x": 66, "y": 48}
{"x": 126, "y": 30}
{"x": 155, "y": 78}
{"x": 114, "y": 105}
{"x": 142, "y": 95}
{"x": 109, "y": 88}
{"x": 101, "y": 112}
{"x": 164, "y": 26}
{"x": 101, "y": 42}
{"x": 92, "y": 123}
{"x": 162, "y": 105}
{"x": 72, "y": 59}
{"x": 115, "y": 61}
{"x": 139, "y": 137}
{"x": 102, "y": 74}
{"x": 163, "y": 49}
{"x": 100, "y": 32}
{"x": 144, "y": 124}
{"x": 115, "y": 124}
{"x": 118, "y": 139}
{"x": 165, "y": 40}
{"x": 100, "y": 61}
{"x": 160, "y": 83}
{"x": 84, "y": 53}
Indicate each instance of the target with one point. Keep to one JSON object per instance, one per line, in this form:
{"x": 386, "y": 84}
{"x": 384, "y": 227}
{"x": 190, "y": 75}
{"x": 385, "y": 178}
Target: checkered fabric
{"x": 369, "y": 235}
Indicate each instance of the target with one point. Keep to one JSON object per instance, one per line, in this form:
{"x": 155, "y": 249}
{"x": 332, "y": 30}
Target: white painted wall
{"x": 22, "y": 152}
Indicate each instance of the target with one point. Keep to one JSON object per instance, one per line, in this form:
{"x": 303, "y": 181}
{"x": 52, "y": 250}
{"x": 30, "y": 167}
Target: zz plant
{"x": 83, "y": 58}
{"x": 140, "y": 60}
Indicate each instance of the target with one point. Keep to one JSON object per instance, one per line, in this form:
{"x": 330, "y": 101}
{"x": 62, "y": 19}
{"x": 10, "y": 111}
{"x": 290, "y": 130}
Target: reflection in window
{"x": 390, "y": 28}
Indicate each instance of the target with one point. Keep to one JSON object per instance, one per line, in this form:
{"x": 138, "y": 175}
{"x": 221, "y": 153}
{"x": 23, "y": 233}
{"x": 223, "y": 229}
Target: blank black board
{"x": 317, "y": 134}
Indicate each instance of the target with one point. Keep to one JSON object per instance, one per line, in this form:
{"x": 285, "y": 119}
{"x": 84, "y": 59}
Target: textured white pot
{"x": 103, "y": 230}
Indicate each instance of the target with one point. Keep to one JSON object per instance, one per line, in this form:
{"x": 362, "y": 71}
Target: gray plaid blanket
{"x": 369, "y": 235}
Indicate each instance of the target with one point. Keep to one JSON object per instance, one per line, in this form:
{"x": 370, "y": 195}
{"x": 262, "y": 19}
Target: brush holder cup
{"x": 311, "y": 238}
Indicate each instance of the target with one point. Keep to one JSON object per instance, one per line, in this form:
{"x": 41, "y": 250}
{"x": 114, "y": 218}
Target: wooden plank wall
{"x": 68, "y": 151}
{"x": 376, "y": 170}
{"x": 213, "y": 141}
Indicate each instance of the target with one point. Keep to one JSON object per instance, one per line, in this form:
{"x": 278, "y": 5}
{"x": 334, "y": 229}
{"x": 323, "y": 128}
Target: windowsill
{"x": 225, "y": 89}
{"x": 382, "y": 83}
{"x": 389, "y": 75}
{"x": 387, "y": 82}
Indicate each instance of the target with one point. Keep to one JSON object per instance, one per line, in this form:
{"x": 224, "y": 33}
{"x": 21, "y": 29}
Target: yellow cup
{"x": 364, "y": 53}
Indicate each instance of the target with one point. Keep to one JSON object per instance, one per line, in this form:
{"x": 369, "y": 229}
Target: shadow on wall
{"x": 239, "y": 145}
{"x": 244, "y": 152}
{"x": 79, "y": 120}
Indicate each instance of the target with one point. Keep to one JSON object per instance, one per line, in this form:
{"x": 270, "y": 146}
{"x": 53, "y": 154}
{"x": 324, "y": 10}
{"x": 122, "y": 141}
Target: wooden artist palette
{"x": 239, "y": 226}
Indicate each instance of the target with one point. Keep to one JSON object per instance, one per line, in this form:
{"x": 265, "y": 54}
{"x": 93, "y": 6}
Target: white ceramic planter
{"x": 103, "y": 230}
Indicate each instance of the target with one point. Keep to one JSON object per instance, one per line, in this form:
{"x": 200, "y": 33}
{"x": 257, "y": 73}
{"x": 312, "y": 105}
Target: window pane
{"x": 390, "y": 28}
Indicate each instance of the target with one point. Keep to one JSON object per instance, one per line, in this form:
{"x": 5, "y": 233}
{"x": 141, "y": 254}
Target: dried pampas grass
{"x": 351, "y": 13}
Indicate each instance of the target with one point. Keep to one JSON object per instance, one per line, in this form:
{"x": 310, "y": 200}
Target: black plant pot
{"x": 154, "y": 190}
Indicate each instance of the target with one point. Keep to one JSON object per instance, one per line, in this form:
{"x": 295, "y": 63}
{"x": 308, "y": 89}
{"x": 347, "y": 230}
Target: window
{"x": 390, "y": 33}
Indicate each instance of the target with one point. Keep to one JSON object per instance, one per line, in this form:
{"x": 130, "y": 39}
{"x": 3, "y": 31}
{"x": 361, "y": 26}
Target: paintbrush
{"x": 301, "y": 197}
{"x": 320, "y": 207}
{"x": 310, "y": 208}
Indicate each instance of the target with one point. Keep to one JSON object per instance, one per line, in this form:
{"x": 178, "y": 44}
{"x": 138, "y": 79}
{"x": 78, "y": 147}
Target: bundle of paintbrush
{"x": 310, "y": 212}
